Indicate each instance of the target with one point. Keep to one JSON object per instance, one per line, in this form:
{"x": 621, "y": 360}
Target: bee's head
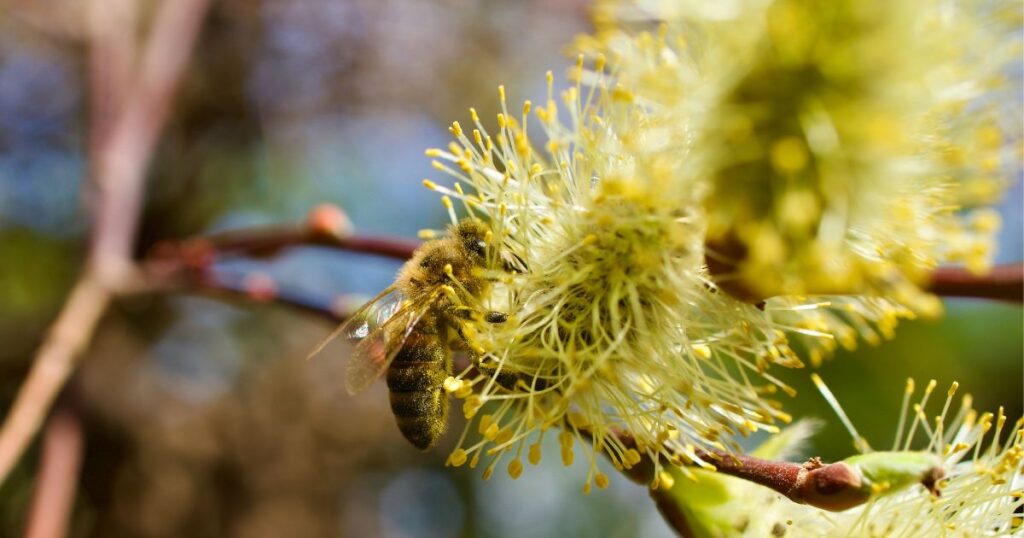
{"x": 474, "y": 236}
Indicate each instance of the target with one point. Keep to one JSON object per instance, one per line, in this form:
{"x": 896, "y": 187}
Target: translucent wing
{"x": 368, "y": 318}
{"x": 373, "y": 314}
{"x": 374, "y": 353}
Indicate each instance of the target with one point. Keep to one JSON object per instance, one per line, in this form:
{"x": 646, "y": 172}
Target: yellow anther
{"x": 485, "y": 422}
{"x": 569, "y": 96}
{"x": 501, "y": 93}
{"x": 456, "y": 129}
{"x": 534, "y": 454}
{"x": 601, "y": 480}
{"x": 504, "y": 436}
{"x": 430, "y": 184}
{"x": 985, "y": 221}
{"x": 471, "y": 406}
{"x": 515, "y": 469}
{"x": 702, "y": 351}
{"x": 457, "y": 458}
{"x": 433, "y": 152}
{"x": 464, "y": 391}
{"x": 451, "y": 384}
{"x": 567, "y": 456}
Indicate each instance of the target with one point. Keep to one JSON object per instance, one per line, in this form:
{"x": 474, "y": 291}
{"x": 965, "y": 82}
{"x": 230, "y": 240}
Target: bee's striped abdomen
{"x": 415, "y": 380}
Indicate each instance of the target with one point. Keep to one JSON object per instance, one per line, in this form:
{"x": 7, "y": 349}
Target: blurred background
{"x": 201, "y": 418}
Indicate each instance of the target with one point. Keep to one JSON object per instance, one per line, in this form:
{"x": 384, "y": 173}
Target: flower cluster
{"x": 978, "y": 494}
{"x": 691, "y": 192}
{"x": 839, "y": 144}
{"x": 614, "y": 325}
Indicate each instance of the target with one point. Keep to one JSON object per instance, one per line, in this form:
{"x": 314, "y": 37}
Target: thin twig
{"x": 1003, "y": 283}
{"x": 125, "y": 153}
{"x": 57, "y": 481}
{"x": 120, "y": 159}
{"x": 261, "y": 288}
{"x": 269, "y": 241}
{"x": 53, "y": 364}
{"x": 829, "y": 486}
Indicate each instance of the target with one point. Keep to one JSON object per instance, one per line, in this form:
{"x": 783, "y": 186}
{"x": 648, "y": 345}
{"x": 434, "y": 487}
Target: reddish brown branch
{"x": 260, "y": 288}
{"x": 1004, "y": 283}
{"x": 327, "y": 227}
{"x": 57, "y": 481}
{"x": 189, "y": 265}
{"x": 829, "y": 486}
{"x": 834, "y": 486}
{"x": 270, "y": 241}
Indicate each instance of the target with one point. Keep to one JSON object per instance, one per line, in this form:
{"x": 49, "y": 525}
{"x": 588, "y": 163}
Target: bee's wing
{"x": 368, "y": 318}
{"x": 374, "y": 353}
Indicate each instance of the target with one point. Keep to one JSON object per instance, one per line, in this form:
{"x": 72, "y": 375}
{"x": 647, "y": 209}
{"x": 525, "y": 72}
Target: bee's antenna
{"x": 451, "y": 209}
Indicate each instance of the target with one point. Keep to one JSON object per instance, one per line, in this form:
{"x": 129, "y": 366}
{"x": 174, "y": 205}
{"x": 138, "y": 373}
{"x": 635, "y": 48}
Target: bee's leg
{"x": 506, "y": 380}
{"x": 467, "y": 313}
{"x": 510, "y": 381}
{"x": 471, "y": 314}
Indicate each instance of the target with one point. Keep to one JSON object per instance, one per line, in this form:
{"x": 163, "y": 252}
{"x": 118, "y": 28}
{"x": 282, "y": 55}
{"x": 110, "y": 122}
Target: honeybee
{"x": 411, "y": 328}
